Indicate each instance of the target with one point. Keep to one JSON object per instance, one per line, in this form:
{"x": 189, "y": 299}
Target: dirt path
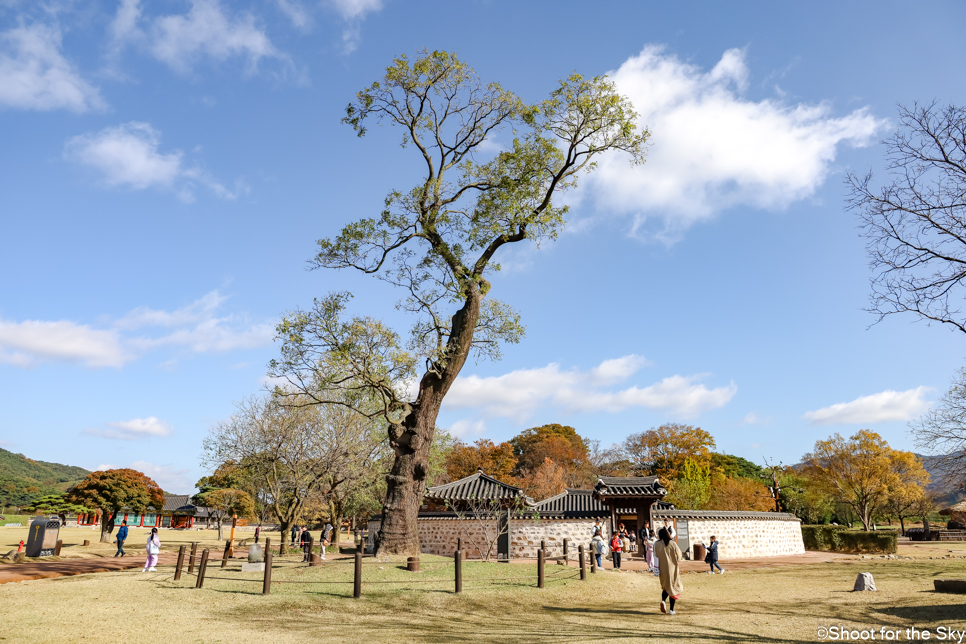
{"x": 67, "y": 567}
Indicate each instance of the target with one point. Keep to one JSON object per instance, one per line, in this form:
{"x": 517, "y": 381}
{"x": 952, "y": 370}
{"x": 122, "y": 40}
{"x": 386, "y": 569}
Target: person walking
{"x": 295, "y": 533}
{"x": 305, "y": 539}
{"x": 615, "y": 551}
{"x": 597, "y": 527}
{"x": 599, "y": 547}
{"x": 153, "y": 548}
{"x": 258, "y": 531}
{"x": 326, "y": 537}
{"x": 712, "y": 556}
{"x": 669, "y": 558}
{"x": 121, "y": 538}
{"x": 649, "y": 553}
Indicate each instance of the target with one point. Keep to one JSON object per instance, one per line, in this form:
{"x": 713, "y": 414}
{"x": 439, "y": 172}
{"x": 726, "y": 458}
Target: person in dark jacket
{"x": 121, "y": 538}
{"x": 258, "y": 531}
{"x": 712, "y": 556}
{"x": 306, "y": 541}
{"x": 295, "y": 533}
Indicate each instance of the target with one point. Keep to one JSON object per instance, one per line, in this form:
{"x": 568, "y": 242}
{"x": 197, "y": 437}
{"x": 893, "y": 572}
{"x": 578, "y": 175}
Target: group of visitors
{"x": 662, "y": 555}
{"x": 302, "y": 536}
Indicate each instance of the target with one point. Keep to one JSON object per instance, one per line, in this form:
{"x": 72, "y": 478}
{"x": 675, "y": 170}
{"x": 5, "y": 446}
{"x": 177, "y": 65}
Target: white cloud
{"x": 204, "y": 32}
{"x": 34, "y": 75}
{"x": 519, "y": 393}
{"x": 197, "y": 327}
{"x": 711, "y": 149}
{"x": 171, "y": 479}
{"x": 751, "y": 418}
{"x": 465, "y": 428}
{"x": 24, "y": 344}
{"x": 127, "y": 156}
{"x": 136, "y": 428}
{"x": 296, "y": 13}
{"x": 884, "y": 407}
{"x": 354, "y": 12}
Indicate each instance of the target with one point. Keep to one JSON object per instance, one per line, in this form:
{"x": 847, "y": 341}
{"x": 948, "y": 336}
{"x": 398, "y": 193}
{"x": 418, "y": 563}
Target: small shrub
{"x": 830, "y": 538}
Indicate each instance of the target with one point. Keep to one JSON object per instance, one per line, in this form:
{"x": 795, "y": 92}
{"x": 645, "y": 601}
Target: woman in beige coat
{"x": 669, "y": 556}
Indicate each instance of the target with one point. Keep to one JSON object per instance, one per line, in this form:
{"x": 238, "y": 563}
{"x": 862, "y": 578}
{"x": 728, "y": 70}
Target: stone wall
{"x": 749, "y": 537}
{"x": 739, "y": 536}
{"x": 525, "y": 536}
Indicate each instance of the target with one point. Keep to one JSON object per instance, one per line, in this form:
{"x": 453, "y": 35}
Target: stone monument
{"x": 256, "y": 560}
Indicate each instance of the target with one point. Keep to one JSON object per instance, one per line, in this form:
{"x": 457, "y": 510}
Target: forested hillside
{"x": 22, "y": 480}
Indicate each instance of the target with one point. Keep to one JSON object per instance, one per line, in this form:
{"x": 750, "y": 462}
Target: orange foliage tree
{"x": 114, "y": 490}
{"x": 663, "y": 450}
{"x": 496, "y": 460}
{"x": 739, "y": 494}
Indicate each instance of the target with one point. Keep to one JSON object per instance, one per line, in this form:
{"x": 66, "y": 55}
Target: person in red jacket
{"x": 615, "y": 549}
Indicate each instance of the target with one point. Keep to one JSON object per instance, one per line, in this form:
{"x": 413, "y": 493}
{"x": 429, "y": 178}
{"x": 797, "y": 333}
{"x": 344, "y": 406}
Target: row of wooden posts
{"x": 412, "y": 565}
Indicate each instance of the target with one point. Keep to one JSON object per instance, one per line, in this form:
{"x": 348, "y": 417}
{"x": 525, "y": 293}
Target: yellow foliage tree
{"x": 663, "y": 450}
{"x": 863, "y": 470}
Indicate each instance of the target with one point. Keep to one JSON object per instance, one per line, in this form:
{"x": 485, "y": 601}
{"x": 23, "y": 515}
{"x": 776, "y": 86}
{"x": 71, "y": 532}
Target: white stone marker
{"x": 864, "y": 582}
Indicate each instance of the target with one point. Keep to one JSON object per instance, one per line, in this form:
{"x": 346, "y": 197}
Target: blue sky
{"x": 166, "y": 167}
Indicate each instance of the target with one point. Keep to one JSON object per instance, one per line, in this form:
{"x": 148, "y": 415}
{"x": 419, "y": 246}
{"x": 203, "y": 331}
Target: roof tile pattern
{"x": 475, "y": 486}
{"x": 611, "y": 486}
{"x": 723, "y": 514}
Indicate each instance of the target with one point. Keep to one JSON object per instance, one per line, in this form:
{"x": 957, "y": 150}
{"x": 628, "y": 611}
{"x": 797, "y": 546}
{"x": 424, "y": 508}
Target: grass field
{"x": 788, "y": 604}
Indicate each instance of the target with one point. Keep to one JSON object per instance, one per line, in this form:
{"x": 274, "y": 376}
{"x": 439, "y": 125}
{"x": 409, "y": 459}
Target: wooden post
{"x": 177, "y": 568}
{"x": 268, "y": 544}
{"x": 311, "y": 556}
{"x": 86, "y": 542}
{"x": 191, "y": 559}
{"x": 412, "y": 564}
{"x": 593, "y": 561}
{"x": 543, "y": 544}
{"x": 357, "y": 579}
{"x": 540, "y": 559}
{"x": 202, "y": 567}
{"x": 224, "y": 555}
{"x": 583, "y": 566}
{"x": 566, "y": 547}
{"x": 459, "y": 544}
{"x": 267, "y": 582}
{"x": 458, "y": 562}
{"x": 60, "y": 544}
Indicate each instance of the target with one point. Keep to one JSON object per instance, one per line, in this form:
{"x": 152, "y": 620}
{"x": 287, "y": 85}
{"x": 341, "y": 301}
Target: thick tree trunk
{"x": 107, "y": 526}
{"x": 411, "y": 438}
{"x": 286, "y": 536}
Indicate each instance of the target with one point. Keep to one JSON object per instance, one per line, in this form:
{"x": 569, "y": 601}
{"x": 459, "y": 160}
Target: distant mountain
{"x": 22, "y": 479}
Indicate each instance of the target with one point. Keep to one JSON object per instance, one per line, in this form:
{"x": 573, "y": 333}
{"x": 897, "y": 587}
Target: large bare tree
{"x": 437, "y": 242}
{"x": 915, "y": 223}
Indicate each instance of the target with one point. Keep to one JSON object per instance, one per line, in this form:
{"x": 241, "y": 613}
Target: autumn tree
{"x": 806, "y": 496}
{"x": 227, "y": 503}
{"x": 498, "y": 461}
{"x": 941, "y": 432}
{"x": 561, "y": 444}
{"x": 609, "y": 461}
{"x": 739, "y": 494}
{"x": 283, "y": 446}
{"x": 915, "y": 223}
{"x": 664, "y": 450}
{"x": 860, "y": 471}
{"x": 438, "y": 242}
{"x": 111, "y": 491}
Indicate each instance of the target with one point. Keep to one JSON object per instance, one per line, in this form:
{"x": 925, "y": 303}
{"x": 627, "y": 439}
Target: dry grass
{"x": 784, "y": 604}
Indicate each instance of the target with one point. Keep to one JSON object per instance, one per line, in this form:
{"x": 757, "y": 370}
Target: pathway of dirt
{"x": 67, "y": 567}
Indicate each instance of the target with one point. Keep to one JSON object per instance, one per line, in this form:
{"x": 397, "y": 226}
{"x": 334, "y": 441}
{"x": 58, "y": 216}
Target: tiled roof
{"x": 475, "y": 486}
{"x": 573, "y": 503}
{"x": 179, "y": 503}
{"x": 723, "y": 514}
{"x": 611, "y": 486}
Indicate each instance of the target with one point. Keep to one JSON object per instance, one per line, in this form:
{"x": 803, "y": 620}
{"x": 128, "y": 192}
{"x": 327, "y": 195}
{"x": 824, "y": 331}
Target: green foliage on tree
{"x": 114, "y": 490}
{"x": 691, "y": 490}
{"x": 57, "y": 504}
{"x": 438, "y": 242}
{"x": 731, "y": 466}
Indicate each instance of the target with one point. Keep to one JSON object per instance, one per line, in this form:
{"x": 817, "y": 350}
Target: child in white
{"x": 154, "y": 549}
